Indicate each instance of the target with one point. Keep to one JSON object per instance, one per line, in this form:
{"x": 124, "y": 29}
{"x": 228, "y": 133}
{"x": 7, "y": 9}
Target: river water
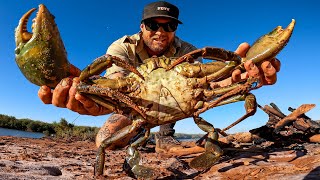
{"x": 18, "y": 133}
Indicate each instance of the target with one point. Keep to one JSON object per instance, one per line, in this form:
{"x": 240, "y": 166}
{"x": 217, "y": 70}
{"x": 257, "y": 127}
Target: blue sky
{"x": 89, "y": 27}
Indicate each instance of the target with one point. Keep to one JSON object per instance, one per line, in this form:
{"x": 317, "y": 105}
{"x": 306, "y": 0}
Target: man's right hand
{"x": 65, "y": 95}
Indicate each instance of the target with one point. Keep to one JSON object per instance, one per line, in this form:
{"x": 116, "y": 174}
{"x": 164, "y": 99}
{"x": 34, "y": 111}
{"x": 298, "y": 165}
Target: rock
{"x": 315, "y": 138}
{"x": 51, "y": 170}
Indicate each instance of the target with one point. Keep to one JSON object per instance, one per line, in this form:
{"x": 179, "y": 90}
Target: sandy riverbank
{"x": 26, "y": 158}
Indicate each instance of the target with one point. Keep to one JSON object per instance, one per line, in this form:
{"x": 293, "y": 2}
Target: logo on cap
{"x": 163, "y": 9}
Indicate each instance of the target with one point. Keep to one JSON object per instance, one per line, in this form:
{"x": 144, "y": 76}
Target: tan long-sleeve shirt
{"x": 131, "y": 49}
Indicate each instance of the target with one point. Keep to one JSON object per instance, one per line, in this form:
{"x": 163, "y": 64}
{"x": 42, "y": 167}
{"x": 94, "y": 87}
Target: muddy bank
{"x": 45, "y": 158}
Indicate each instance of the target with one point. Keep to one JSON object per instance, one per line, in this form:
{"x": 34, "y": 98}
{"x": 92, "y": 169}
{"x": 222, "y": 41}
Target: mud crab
{"x": 160, "y": 91}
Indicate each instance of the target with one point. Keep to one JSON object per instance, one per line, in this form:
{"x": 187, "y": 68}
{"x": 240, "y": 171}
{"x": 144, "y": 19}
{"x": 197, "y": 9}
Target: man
{"x": 156, "y": 38}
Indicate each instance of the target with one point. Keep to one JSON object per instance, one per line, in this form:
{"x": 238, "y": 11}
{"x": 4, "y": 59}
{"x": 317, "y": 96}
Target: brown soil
{"x": 25, "y": 158}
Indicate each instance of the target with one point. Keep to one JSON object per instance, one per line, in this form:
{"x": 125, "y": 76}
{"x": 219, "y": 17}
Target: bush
{"x": 63, "y": 129}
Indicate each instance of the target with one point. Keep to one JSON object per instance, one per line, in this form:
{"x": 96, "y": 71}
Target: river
{"x": 18, "y": 133}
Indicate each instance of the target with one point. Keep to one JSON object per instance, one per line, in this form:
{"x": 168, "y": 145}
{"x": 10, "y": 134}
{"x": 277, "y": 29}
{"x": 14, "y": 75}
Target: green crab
{"x": 160, "y": 91}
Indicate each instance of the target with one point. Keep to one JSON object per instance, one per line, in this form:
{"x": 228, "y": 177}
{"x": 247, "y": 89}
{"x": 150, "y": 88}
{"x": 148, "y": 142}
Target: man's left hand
{"x": 266, "y": 73}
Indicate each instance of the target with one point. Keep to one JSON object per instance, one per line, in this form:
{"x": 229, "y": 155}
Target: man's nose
{"x": 160, "y": 30}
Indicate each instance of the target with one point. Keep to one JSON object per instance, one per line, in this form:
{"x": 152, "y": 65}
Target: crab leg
{"x": 251, "y": 108}
{"x": 208, "y": 53}
{"x": 213, "y": 93}
{"x": 132, "y": 162}
{"x": 199, "y": 69}
{"x": 123, "y": 84}
{"x": 105, "y": 103}
{"x": 214, "y": 71}
{"x": 250, "y": 104}
{"x": 240, "y": 89}
{"x": 212, "y": 150}
{"x": 102, "y": 63}
{"x": 122, "y": 133}
{"x": 113, "y": 94}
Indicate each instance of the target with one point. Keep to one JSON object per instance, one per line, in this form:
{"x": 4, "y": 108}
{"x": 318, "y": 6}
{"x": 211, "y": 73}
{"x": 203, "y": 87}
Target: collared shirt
{"x": 131, "y": 49}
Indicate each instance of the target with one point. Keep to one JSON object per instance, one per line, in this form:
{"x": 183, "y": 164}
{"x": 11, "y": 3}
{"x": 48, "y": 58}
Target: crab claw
{"x": 269, "y": 45}
{"x": 40, "y": 54}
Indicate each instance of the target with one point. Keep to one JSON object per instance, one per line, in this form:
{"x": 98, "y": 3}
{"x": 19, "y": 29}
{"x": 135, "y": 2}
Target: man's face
{"x": 158, "y": 34}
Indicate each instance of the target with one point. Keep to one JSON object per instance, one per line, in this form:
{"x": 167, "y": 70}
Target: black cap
{"x": 161, "y": 9}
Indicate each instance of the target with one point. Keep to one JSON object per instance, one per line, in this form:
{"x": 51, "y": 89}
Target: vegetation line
{"x": 63, "y": 129}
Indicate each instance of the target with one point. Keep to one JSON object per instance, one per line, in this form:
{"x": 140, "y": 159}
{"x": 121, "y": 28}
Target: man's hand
{"x": 266, "y": 73}
{"x": 65, "y": 96}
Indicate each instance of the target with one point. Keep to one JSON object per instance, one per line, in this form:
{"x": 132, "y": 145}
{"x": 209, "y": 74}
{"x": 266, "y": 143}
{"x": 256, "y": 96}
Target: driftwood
{"x": 282, "y": 129}
{"x": 295, "y": 127}
{"x": 298, "y": 118}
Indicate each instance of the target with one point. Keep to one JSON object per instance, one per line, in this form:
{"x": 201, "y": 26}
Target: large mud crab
{"x": 160, "y": 91}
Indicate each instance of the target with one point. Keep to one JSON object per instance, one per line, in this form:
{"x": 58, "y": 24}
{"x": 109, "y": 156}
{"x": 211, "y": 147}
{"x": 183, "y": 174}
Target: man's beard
{"x": 157, "y": 48}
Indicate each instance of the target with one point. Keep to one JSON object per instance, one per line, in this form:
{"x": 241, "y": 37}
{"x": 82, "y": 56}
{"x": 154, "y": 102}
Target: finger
{"x": 270, "y": 74}
{"x": 236, "y": 75}
{"x": 60, "y": 93}
{"x": 242, "y": 49}
{"x": 222, "y": 83}
{"x": 276, "y": 64}
{"x": 91, "y": 107}
{"x": 252, "y": 69}
{"x": 45, "y": 95}
{"x": 74, "y": 71}
{"x": 72, "y": 103}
